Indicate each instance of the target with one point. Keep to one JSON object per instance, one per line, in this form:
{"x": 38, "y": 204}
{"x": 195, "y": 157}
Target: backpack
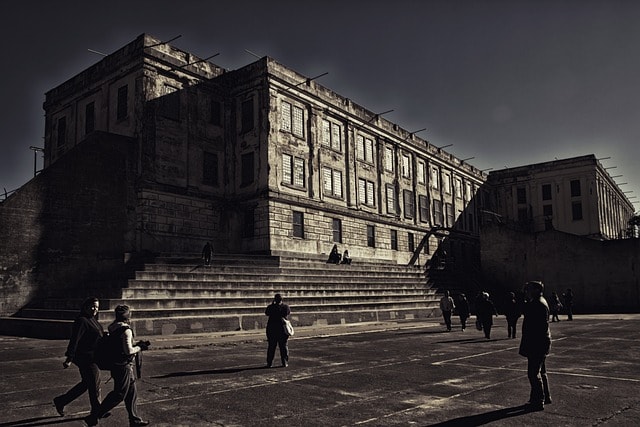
{"x": 108, "y": 351}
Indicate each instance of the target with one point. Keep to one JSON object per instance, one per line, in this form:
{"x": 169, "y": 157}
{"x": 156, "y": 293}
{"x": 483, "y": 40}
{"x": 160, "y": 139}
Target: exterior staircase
{"x": 180, "y": 295}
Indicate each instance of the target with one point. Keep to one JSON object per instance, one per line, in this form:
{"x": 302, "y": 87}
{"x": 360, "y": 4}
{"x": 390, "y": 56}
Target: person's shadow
{"x": 481, "y": 419}
{"x": 210, "y": 372}
{"x": 40, "y": 421}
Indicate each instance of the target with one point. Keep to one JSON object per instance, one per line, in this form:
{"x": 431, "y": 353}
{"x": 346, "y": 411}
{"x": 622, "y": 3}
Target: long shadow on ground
{"x": 209, "y": 372}
{"x": 481, "y": 419}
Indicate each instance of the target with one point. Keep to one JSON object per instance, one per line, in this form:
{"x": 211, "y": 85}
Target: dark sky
{"x": 507, "y": 82}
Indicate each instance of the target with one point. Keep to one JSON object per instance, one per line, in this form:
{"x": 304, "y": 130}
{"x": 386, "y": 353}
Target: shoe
{"x": 90, "y": 420}
{"x": 285, "y": 364}
{"x": 268, "y": 365}
{"x": 547, "y": 401}
{"x": 59, "y": 406}
{"x": 136, "y": 423}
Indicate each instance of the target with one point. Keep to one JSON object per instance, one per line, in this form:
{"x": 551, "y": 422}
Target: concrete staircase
{"x": 179, "y": 295}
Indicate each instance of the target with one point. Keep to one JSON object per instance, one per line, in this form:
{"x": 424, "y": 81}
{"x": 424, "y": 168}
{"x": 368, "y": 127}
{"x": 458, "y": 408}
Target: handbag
{"x": 288, "y": 327}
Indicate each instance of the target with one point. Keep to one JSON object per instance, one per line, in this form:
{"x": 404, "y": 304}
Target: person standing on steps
{"x": 535, "y": 345}
{"x": 446, "y": 306}
{"x": 85, "y": 333}
{"x": 207, "y": 251}
{"x": 276, "y": 334}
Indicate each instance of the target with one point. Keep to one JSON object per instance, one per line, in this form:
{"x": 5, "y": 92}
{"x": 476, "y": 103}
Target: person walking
{"x": 568, "y": 303}
{"x": 85, "y": 333}
{"x": 555, "y": 307}
{"x": 207, "y": 251}
{"x": 446, "y": 306}
{"x": 124, "y": 377}
{"x": 463, "y": 310}
{"x": 512, "y": 312}
{"x": 276, "y": 334}
{"x": 485, "y": 310}
{"x": 535, "y": 345}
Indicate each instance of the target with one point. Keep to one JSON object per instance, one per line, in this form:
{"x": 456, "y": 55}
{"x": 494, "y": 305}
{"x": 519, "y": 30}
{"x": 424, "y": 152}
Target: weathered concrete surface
{"x": 396, "y": 374}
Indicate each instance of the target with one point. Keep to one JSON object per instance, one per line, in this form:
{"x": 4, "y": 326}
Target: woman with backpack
{"x": 85, "y": 333}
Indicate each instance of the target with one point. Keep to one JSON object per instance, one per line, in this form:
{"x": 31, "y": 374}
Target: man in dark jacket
{"x": 276, "y": 335}
{"x": 535, "y": 344}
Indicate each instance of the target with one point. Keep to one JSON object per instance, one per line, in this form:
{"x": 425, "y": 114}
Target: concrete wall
{"x": 604, "y": 275}
{"x": 64, "y": 234}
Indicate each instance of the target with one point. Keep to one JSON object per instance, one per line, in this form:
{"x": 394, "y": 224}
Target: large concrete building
{"x": 576, "y": 196}
{"x": 259, "y": 159}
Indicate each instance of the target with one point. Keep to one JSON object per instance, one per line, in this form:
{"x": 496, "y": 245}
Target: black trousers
{"x": 537, "y": 374}
{"x": 277, "y": 340}
{"x": 90, "y": 382}
{"x": 124, "y": 388}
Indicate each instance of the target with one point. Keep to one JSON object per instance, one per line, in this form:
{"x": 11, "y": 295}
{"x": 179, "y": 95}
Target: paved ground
{"x": 411, "y": 374}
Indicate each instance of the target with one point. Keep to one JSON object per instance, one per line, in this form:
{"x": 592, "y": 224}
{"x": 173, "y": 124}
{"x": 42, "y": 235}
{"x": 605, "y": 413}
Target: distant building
{"x": 575, "y": 195}
{"x": 259, "y": 159}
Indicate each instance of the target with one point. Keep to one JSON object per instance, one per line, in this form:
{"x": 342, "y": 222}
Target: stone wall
{"x": 64, "y": 234}
{"x": 604, "y": 275}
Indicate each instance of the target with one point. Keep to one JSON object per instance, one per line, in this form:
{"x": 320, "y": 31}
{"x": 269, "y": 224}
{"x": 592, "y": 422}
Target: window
{"x": 406, "y": 166}
{"x": 364, "y": 149}
{"x": 576, "y": 210}
{"x": 248, "y": 223}
{"x": 394, "y": 240}
{"x": 123, "y": 102}
{"x": 437, "y": 213}
{"x": 371, "y": 236}
{"x": 331, "y": 135}
{"x": 215, "y": 112}
{"x": 388, "y": 159}
{"x": 448, "y": 208}
{"x": 420, "y": 172}
{"x": 575, "y": 188}
{"x": 170, "y": 103}
{"x": 435, "y": 178}
{"x": 467, "y": 191}
{"x": 89, "y": 118}
{"x": 457, "y": 188}
{"x": 62, "y": 131}
{"x": 332, "y": 182}
{"x": 293, "y": 171}
{"x": 292, "y": 119}
{"x": 210, "y": 169}
{"x": 366, "y": 192}
{"x": 391, "y": 198}
{"x": 423, "y": 206}
{"x": 409, "y": 204}
{"x": 411, "y": 242}
{"x": 546, "y": 192}
{"x": 547, "y": 210}
{"x": 298, "y": 224}
{"x": 446, "y": 183}
{"x": 247, "y": 169}
{"x": 247, "y": 115}
{"x": 523, "y": 215}
{"x": 470, "y": 222}
{"x": 521, "y": 196}
{"x": 336, "y": 226}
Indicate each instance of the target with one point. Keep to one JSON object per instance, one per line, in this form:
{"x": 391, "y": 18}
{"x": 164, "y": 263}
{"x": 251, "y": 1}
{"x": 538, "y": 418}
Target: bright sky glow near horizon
{"x": 508, "y": 83}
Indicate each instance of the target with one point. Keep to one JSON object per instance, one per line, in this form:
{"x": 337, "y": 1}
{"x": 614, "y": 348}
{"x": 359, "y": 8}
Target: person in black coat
{"x": 535, "y": 345}
{"x": 276, "y": 335}
{"x": 512, "y": 311}
{"x": 85, "y": 333}
{"x": 334, "y": 256}
{"x": 463, "y": 310}
{"x": 485, "y": 310}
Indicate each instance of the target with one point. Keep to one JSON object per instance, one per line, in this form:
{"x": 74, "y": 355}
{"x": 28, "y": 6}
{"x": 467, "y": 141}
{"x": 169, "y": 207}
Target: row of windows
{"x": 336, "y": 228}
{"x": 547, "y": 193}
{"x": 332, "y": 137}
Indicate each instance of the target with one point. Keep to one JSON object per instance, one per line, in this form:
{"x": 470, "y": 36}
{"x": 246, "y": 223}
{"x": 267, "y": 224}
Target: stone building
{"x": 575, "y": 195}
{"x": 258, "y": 160}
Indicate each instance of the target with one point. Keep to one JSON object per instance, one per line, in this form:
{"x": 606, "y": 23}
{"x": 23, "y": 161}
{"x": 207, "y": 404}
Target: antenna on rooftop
{"x": 168, "y": 41}
{"x": 375, "y": 116}
{"x": 253, "y": 54}
{"x": 96, "y": 52}
{"x": 413, "y": 133}
{"x": 307, "y": 80}
{"x": 195, "y": 62}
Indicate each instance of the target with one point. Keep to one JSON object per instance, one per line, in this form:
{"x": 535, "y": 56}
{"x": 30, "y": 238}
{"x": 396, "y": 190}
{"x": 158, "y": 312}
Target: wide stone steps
{"x": 180, "y": 295}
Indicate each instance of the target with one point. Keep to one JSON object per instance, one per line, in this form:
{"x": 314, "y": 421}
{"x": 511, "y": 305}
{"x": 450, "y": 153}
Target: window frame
{"x": 297, "y": 222}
